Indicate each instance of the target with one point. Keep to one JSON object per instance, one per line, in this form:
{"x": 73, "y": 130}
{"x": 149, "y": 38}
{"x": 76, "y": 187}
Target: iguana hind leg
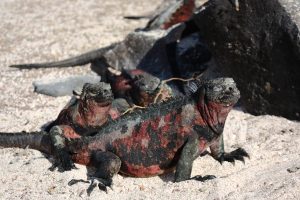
{"x": 104, "y": 165}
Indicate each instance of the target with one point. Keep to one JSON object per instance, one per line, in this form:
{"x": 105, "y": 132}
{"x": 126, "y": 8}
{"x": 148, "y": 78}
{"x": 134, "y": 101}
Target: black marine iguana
{"x": 175, "y": 12}
{"x": 159, "y": 139}
{"x": 96, "y": 57}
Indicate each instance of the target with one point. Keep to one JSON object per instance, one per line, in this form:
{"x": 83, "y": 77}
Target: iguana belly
{"x": 143, "y": 171}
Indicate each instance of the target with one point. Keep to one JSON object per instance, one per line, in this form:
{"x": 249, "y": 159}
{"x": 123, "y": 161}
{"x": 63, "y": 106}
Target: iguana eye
{"x": 93, "y": 91}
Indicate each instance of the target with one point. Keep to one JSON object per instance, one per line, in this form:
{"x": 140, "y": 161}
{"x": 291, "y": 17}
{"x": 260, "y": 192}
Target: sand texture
{"x": 36, "y": 30}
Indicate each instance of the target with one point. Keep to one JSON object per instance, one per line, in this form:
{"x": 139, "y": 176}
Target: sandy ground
{"x": 36, "y": 30}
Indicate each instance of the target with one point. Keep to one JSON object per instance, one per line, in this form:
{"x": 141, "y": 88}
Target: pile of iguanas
{"x": 137, "y": 125}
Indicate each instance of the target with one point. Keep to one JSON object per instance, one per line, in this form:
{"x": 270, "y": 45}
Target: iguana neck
{"x": 213, "y": 114}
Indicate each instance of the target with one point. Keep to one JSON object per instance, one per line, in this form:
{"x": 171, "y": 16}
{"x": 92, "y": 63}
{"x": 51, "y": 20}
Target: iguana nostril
{"x": 230, "y": 88}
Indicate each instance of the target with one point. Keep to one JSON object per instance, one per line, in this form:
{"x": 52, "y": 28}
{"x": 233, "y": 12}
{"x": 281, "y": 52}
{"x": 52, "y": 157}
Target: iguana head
{"x": 222, "y": 91}
{"x": 99, "y": 92}
{"x": 216, "y": 99}
{"x": 145, "y": 87}
{"x": 146, "y": 82}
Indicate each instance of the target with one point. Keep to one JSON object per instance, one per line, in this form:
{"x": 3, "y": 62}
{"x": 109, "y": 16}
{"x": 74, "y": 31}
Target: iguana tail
{"x": 70, "y": 62}
{"x": 33, "y": 140}
{"x": 132, "y": 17}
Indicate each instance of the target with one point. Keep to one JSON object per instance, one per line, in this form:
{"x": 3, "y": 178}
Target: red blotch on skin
{"x": 69, "y": 132}
{"x": 163, "y": 140}
{"x": 121, "y": 84}
{"x": 114, "y": 114}
{"x": 155, "y": 123}
{"x": 182, "y": 14}
{"x": 141, "y": 171}
{"x": 79, "y": 120}
{"x": 202, "y": 145}
{"x": 134, "y": 141}
{"x": 135, "y": 72}
{"x": 211, "y": 113}
{"x": 167, "y": 122}
{"x": 82, "y": 157}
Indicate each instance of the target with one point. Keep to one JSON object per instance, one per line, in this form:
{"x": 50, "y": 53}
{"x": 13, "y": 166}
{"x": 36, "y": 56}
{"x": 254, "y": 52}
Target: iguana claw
{"x": 237, "y": 154}
{"x": 203, "y": 178}
{"x": 94, "y": 182}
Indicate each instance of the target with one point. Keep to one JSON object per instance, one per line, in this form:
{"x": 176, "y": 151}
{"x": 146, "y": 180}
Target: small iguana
{"x": 84, "y": 114}
{"x": 169, "y": 14}
{"x": 137, "y": 87}
{"x": 174, "y": 13}
{"x": 159, "y": 139}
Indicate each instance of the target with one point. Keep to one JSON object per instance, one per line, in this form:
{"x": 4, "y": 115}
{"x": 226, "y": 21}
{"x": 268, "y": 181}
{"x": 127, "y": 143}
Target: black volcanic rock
{"x": 259, "y": 46}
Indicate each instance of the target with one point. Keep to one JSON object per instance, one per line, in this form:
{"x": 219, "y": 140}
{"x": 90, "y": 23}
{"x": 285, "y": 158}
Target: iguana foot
{"x": 101, "y": 183}
{"x": 74, "y": 181}
{"x": 237, "y": 154}
{"x": 63, "y": 161}
{"x": 203, "y": 178}
{"x": 94, "y": 182}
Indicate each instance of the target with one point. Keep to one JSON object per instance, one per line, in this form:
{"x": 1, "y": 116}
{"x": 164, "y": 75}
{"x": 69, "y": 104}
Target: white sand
{"x": 36, "y": 30}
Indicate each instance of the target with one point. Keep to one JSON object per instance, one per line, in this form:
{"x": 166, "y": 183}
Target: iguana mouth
{"x": 106, "y": 98}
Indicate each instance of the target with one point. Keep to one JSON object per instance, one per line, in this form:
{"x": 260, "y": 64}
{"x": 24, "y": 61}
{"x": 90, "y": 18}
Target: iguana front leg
{"x": 104, "y": 165}
{"x": 62, "y": 157}
{"x": 218, "y": 153}
{"x": 189, "y": 153}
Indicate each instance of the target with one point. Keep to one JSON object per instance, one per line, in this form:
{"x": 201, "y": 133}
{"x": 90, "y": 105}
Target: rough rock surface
{"x": 34, "y": 30}
{"x": 260, "y": 47}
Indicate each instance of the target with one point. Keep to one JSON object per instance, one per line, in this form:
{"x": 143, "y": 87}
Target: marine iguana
{"x": 84, "y": 114}
{"x": 97, "y": 57}
{"x": 159, "y": 139}
{"x": 171, "y": 13}
{"x": 176, "y": 12}
{"x": 95, "y": 105}
{"x": 137, "y": 87}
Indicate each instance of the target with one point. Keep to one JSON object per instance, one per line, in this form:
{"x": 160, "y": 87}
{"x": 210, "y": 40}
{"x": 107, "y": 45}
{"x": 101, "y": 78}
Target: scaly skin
{"x": 95, "y": 105}
{"x": 137, "y": 87}
{"x": 152, "y": 141}
{"x": 178, "y": 12}
{"x": 85, "y": 114}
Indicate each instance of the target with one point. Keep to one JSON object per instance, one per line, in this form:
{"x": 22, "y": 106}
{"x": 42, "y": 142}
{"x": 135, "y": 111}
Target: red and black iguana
{"x": 156, "y": 140}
